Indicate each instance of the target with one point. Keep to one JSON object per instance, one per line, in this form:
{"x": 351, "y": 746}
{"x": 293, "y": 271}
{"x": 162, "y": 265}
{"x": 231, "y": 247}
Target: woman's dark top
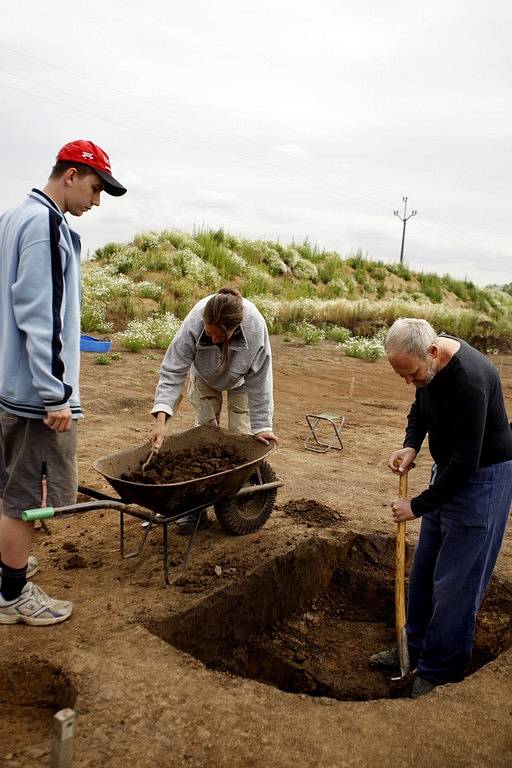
{"x": 463, "y": 412}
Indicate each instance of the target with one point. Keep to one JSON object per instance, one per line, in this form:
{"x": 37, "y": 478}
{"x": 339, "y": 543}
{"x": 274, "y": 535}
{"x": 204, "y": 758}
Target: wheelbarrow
{"x": 243, "y": 497}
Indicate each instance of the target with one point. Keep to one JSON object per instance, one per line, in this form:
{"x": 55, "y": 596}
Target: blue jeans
{"x": 455, "y": 556}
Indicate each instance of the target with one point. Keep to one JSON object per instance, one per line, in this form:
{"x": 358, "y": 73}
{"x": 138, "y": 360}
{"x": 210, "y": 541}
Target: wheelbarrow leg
{"x": 192, "y": 536}
{"x": 121, "y": 533}
{"x": 165, "y": 545}
{"x": 144, "y": 536}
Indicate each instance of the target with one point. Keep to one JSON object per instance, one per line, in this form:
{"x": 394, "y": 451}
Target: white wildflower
{"x": 156, "y": 332}
{"x": 268, "y": 307}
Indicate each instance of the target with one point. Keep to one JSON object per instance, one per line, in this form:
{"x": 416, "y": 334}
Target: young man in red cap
{"x": 39, "y": 366}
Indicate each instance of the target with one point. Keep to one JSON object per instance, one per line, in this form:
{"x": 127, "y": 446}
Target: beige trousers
{"x": 207, "y": 403}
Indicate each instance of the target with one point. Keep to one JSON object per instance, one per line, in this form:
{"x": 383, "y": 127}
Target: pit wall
{"x": 281, "y": 587}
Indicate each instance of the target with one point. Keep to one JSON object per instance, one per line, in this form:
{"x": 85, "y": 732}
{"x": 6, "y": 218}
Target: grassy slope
{"x": 169, "y": 271}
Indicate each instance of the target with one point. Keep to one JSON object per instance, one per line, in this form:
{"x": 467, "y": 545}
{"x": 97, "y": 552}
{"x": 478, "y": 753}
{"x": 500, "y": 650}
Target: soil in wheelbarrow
{"x": 186, "y": 465}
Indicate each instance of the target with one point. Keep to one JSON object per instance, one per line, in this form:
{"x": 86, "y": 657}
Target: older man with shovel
{"x": 464, "y": 511}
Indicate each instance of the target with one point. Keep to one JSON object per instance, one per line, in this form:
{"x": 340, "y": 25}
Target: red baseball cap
{"x": 87, "y": 153}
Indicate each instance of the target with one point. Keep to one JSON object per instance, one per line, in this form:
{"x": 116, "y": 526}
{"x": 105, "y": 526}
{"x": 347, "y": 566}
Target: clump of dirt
{"x": 312, "y": 512}
{"x": 75, "y": 561}
{"x": 186, "y": 465}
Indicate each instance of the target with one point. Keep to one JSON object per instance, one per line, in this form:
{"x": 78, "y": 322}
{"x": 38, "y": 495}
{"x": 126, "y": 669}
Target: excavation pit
{"x": 307, "y": 621}
{"x": 31, "y": 692}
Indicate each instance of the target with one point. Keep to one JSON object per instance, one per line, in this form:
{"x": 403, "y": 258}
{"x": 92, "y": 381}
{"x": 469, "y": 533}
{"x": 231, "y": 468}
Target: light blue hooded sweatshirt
{"x": 39, "y": 310}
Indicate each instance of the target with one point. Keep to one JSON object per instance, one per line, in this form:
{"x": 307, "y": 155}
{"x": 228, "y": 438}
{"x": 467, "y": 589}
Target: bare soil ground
{"x": 326, "y": 553}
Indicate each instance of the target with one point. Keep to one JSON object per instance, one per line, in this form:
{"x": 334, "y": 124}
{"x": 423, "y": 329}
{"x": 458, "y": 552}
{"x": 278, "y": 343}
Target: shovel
{"x": 400, "y": 619}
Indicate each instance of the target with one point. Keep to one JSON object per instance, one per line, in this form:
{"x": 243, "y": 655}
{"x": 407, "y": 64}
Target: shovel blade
{"x": 403, "y": 653}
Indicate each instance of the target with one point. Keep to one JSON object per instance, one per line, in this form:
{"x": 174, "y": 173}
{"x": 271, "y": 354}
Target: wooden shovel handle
{"x": 400, "y": 615}
{"x": 400, "y": 561}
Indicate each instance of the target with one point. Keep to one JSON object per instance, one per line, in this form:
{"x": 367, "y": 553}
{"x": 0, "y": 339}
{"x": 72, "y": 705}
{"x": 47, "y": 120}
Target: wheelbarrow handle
{"x": 29, "y": 515}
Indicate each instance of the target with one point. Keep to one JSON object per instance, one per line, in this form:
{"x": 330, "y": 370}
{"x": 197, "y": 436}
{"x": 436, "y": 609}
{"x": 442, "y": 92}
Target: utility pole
{"x": 405, "y": 219}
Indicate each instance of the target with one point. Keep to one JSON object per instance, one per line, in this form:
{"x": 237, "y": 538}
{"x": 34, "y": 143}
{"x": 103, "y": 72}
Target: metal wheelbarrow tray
{"x": 167, "y": 503}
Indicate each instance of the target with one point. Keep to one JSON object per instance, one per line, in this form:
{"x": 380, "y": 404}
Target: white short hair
{"x": 411, "y": 336}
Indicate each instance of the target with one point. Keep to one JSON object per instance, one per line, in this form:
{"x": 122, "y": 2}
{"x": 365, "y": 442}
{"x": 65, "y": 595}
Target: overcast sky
{"x": 279, "y": 119}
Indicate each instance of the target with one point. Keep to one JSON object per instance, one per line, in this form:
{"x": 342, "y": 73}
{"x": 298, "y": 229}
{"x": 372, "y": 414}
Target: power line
{"x": 256, "y": 164}
{"x": 236, "y": 156}
{"x": 173, "y": 112}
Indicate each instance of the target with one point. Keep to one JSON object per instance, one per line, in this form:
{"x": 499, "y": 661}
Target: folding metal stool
{"x": 313, "y": 420}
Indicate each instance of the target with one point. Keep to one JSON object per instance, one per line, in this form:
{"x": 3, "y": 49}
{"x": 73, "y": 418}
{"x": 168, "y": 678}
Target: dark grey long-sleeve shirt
{"x": 463, "y": 412}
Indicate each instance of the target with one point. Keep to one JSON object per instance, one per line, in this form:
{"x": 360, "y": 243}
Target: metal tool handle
{"x": 153, "y": 452}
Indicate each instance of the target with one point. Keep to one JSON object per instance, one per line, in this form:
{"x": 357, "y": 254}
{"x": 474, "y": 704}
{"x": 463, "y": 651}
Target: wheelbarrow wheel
{"x": 246, "y": 514}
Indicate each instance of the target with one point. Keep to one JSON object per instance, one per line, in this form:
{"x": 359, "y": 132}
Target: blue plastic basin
{"x": 90, "y": 344}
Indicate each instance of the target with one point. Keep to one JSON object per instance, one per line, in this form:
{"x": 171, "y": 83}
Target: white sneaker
{"x": 32, "y": 567}
{"x": 34, "y": 607}
{"x": 52, "y": 602}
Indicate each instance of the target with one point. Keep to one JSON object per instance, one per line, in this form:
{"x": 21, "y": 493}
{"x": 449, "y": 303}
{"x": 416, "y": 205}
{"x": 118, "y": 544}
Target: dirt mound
{"x": 312, "y": 512}
{"x": 186, "y": 465}
{"x": 75, "y": 561}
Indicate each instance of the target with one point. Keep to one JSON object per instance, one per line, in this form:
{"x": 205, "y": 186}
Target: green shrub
{"x": 269, "y": 308}
{"x": 291, "y": 257}
{"x": 155, "y": 332}
{"x": 430, "y": 285}
{"x": 108, "y": 250}
{"x": 275, "y": 264}
{"x": 148, "y": 290}
{"x": 186, "y": 263}
{"x": 181, "y": 240}
{"x": 305, "y": 270}
{"x": 416, "y": 296}
{"x": 158, "y": 259}
{"x": 337, "y": 333}
{"x": 308, "y": 251}
{"x": 358, "y": 261}
{"x": 147, "y": 241}
{"x": 253, "y": 251}
{"x": 291, "y": 290}
{"x": 400, "y": 270}
{"x": 338, "y": 288}
{"x": 102, "y": 359}
{"x": 365, "y": 349}
{"x": 104, "y": 282}
{"x": 330, "y": 268}
{"x": 93, "y": 316}
{"x": 377, "y": 270}
{"x": 255, "y": 282}
{"x": 309, "y": 333}
{"x": 225, "y": 261}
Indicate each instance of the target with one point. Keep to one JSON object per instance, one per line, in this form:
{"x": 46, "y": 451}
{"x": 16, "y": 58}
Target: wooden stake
{"x": 352, "y": 384}
{"x": 63, "y": 734}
